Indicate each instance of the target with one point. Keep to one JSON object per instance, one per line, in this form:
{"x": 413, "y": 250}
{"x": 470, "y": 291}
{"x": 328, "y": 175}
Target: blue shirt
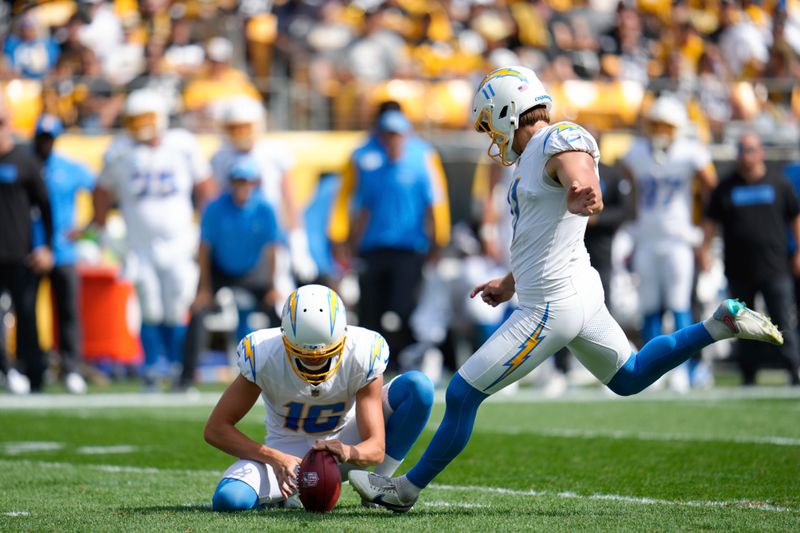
{"x": 237, "y": 235}
{"x": 792, "y": 172}
{"x": 64, "y": 178}
{"x": 315, "y": 221}
{"x": 33, "y": 59}
{"x": 396, "y": 195}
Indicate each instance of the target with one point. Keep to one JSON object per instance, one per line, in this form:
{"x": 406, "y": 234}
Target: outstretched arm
{"x": 576, "y": 172}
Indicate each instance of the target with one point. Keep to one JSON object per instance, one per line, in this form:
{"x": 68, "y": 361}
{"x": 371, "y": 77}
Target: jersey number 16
{"x": 313, "y": 418}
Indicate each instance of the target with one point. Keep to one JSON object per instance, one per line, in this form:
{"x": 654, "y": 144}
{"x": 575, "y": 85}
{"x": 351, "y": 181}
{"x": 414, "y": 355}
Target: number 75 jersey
{"x": 297, "y": 409}
{"x": 154, "y": 184}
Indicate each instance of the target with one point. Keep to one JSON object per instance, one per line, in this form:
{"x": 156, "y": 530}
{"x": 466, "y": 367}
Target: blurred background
{"x": 322, "y": 72}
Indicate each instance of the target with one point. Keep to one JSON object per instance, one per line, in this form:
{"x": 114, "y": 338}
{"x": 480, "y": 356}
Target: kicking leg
{"x": 527, "y": 338}
{"x": 400, "y": 494}
{"x": 731, "y": 319}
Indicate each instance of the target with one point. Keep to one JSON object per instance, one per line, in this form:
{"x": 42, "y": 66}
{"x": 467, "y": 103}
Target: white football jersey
{"x": 273, "y": 158}
{"x": 154, "y": 187}
{"x": 297, "y": 409}
{"x": 664, "y": 188}
{"x": 547, "y": 247}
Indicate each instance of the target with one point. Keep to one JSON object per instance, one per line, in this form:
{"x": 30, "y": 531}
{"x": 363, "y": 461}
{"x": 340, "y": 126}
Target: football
{"x": 319, "y": 481}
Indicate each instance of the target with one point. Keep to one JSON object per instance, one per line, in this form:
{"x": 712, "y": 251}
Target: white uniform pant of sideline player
{"x": 665, "y": 272}
{"x": 535, "y": 332}
{"x": 165, "y": 288}
{"x": 261, "y": 477}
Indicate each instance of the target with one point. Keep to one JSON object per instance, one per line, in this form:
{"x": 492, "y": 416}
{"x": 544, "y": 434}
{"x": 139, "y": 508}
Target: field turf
{"x": 727, "y": 460}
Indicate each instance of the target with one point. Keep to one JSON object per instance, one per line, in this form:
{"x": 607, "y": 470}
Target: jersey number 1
{"x": 313, "y": 418}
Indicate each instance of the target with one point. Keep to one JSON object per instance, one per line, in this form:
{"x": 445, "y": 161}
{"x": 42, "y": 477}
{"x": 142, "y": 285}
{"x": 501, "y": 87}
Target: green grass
{"x": 629, "y": 465}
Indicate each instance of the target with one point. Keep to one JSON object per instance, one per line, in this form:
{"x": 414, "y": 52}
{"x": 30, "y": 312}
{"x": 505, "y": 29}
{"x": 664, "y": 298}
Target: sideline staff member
{"x": 22, "y": 189}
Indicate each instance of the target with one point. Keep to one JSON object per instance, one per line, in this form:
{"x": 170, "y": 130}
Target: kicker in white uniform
{"x": 555, "y": 188}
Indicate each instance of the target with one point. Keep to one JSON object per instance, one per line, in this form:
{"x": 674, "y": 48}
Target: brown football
{"x": 320, "y": 481}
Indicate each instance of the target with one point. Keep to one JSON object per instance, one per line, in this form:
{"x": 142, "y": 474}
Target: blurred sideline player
{"x": 64, "y": 179}
{"x": 392, "y": 213}
{"x": 243, "y": 121}
{"x": 664, "y": 166}
{"x": 238, "y": 238}
{"x": 322, "y": 385}
{"x": 554, "y": 191}
{"x": 152, "y": 172}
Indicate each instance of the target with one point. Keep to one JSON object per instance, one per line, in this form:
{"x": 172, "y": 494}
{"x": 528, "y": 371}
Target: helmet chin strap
{"x": 511, "y": 155}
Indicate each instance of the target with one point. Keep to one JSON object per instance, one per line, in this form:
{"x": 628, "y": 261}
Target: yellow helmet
{"x": 314, "y": 324}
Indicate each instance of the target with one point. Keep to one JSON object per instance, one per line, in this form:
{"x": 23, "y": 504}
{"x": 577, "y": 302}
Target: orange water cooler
{"x": 110, "y": 316}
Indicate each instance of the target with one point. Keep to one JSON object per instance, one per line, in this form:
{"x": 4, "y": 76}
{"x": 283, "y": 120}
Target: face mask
{"x": 661, "y": 142}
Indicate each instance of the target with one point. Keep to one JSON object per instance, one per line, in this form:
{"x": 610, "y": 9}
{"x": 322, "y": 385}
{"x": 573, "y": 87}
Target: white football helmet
{"x": 314, "y": 324}
{"x": 243, "y": 121}
{"x": 502, "y": 96}
{"x": 666, "y": 120}
{"x": 668, "y": 110}
{"x": 145, "y": 115}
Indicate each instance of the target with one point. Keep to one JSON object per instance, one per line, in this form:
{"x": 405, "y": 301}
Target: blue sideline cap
{"x": 245, "y": 168}
{"x": 50, "y": 125}
{"x": 394, "y": 121}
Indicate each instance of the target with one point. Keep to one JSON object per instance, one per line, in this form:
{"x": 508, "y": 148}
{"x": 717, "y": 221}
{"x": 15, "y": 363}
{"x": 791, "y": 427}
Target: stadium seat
{"x": 24, "y": 96}
{"x": 601, "y": 105}
{"x": 410, "y": 93}
{"x": 451, "y": 100}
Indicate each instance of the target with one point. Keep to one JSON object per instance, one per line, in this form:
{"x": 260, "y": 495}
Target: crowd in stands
{"x": 727, "y": 59}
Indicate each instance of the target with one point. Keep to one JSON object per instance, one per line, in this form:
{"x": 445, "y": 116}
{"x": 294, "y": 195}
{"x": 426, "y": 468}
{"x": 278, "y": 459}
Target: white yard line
{"x": 475, "y": 489}
{"x": 112, "y": 469}
{"x": 107, "y": 450}
{"x": 16, "y": 513}
{"x": 22, "y": 447}
{"x": 636, "y": 435}
{"x": 739, "y": 504}
{"x": 462, "y": 505}
{"x": 208, "y": 399}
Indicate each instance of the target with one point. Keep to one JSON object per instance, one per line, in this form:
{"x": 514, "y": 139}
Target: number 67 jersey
{"x": 296, "y": 409}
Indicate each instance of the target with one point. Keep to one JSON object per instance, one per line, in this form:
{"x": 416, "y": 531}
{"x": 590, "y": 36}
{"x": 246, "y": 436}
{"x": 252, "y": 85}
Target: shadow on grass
{"x": 348, "y": 512}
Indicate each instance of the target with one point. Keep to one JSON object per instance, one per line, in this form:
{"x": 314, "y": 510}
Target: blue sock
{"x": 651, "y": 327}
{"x": 411, "y": 398}
{"x": 453, "y": 434}
{"x": 151, "y": 344}
{"x": 683, "y": 319}
{"x": 234, "y": 495}
{"x": 173, "y": 336}
{"x": 658, "y": 357}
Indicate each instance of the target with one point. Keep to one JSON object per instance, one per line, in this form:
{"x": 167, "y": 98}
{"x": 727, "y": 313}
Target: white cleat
{"x": 379, "y": 489}
{"x": 745, "y": 323}
{"x": 75, "y": 383}
{"x": 17, "y": 383}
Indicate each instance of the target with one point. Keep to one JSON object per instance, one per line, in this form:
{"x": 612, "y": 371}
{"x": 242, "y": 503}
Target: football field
{"x": 725, "y": 460}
